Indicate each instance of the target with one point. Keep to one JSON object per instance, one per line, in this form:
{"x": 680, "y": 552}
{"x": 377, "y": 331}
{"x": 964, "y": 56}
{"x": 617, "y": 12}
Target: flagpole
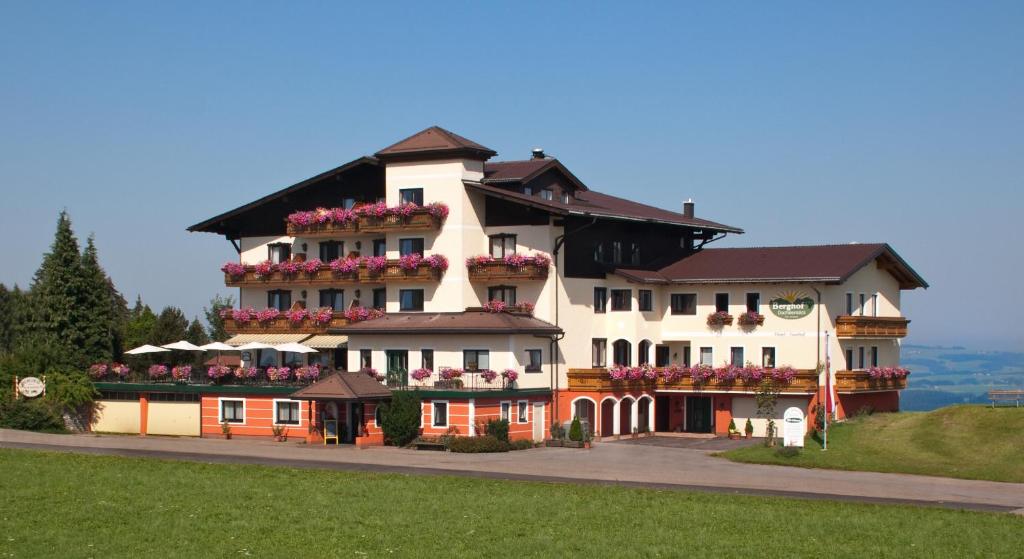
{"x": 828, "y": 391}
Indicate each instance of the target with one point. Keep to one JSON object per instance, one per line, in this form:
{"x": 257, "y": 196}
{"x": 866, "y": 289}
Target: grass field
{"x": 967, "y": 441}
{"x": 101, "y": 506}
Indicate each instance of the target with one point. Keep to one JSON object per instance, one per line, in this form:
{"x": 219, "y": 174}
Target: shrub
{"x": 401, "y": 418}
{"x": 576, "y": 430}
{"x": 864, "y": 411}
{"x": 557, "y": 431}
{"x": 31, "y": 415}
{"x": 749, "y": 427}
{"x": 498, "y": 428}
{"x": 788, "y": 451}
{"x": 521, "y": 444}
{"x": 486, "y": 443}
{"x": 732, "y": 425}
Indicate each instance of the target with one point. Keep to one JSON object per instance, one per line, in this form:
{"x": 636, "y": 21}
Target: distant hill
{"x": 954, "y": 375}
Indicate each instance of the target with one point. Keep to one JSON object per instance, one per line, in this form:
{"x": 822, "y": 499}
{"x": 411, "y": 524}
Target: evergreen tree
{"x": 213, "y": 319}
{"x": 97, "y": 300}
{"x": 170, "y": 326}
{"x": 18, "y": 306}
{"x": 119, "y": 308}
{"x": 196, "y": 334}
{"x": 58, "y": 319}
{"x": 140, "y": 326}
{"x": 6, "y": 324}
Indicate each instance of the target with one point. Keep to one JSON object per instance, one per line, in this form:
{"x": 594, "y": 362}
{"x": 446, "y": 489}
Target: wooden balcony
{"x": 871, "y": 326}
{"x": 282, "y": 325}
{"x": 499, "y": 271}
{"x": 597, "y": 380}
{"x": 323, "y": 230}
{"x": 324, "y": 277}
{"x": 849, "y": 382}
{"x": 394, "y": 273}
{"x": 420, "y": 220}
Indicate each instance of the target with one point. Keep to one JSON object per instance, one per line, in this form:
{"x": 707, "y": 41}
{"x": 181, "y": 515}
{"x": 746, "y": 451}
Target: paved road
{"x": 609, "y": 463}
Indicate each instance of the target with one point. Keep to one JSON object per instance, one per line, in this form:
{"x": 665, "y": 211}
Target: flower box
{"x": 419, "y": 220}
{"x": 512, "y": 267}
{"x": 394, "y": 270}
{"x": 719, "y": 319}
{"x": 751, "y": 319}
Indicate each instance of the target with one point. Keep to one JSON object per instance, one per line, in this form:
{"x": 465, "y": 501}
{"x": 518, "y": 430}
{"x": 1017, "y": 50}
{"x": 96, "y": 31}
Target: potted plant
{"x": 576, "y": 432}
{"x": 586, "y": 439}
{"x": 278, "y": 431}
{"x": 733, "y": 433}
{"x": 225, "y": 428}
{"x": 636, "y": 433}
{"x": 749, "y": 428}
{"x": 557, "y": 435}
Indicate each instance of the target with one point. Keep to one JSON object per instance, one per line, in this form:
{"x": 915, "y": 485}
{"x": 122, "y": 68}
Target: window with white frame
{"x": 706, "y": 356}
{"x": 736, "y": 356}
{"x": 524, "y": 410}
{"x": 476, "y": 359}
{"x": 533, "y": 360}
{"x": 506, "y": 411}
{"x": 286, "y": 412}
{"x": 232, "y": 411}
{"x": 768, "y": 357}
{"x": 502, "y": 245}
{"x": 439, "y": 414}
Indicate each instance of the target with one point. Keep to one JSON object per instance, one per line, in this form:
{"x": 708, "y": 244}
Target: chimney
{"x": 688, "y": 207}
{"x": 538, "y": 153}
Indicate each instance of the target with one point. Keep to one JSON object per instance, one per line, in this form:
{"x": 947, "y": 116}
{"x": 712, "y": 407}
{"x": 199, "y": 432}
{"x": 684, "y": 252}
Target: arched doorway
{"x": 643, "y": 356}
{"x": 643, "y": 414}
{"x": 626, "y": 416}
{"x": 585, "y": 409}
{"x": 607, "y": 417}
{"x": 621, "y": 350}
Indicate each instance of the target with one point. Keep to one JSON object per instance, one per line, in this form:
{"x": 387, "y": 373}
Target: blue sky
{"x": 804, "y": 123}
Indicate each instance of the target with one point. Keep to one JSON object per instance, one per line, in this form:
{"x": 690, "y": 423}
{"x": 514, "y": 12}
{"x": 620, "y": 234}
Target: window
{"x": 686, "y": 355}
{"x": 533, "y": 360}
{"x": 634, "y": 253}
{"x": 661, "y": 356}
{"x": 736, "y": 356}
{"x": 502, "y": 245}
{"x": 524, "y": 410}
{"x": 849, "y": 304}
{"x": 621, "y": 353}
{"x": 600, "y": 299}
{"x": 707, "y": 356}
{"x": 617, "y": 252}
{"x": 503, "y": 293}
{"x": 565, "y": 197}
{"x": 380, "y": 247}
{"x": 622, "y": 299}
{"x": 646, "y": 300}
{"x": 365, "y": 359}
{"x": 684, "y": 303}
{"x": 863, "y": 302}
{"x": 528, "y": 190}
{"x": 348, "y": 203}
{"x": 378, "y": 418}
{"x": 768, "y": 357}
{"x": 721, "y": 302}
{"x": 286, "y": 412}
{"x": 279, "y": 299}
{"x": 427, "y": 359}
{"x": 267, "y": 357}
{"x": 380, "y": 298}
{"x": 874, "y": 356}
{"x": 849, "y": 354}
{"x": 439, "y": 414}
{"x": 547, "y": 194}
{"x": 599, "y": 252}
{"x": 411, "y": 196}
{"x": 232, "y": 411}
{"x": 874, "y": 305}
{"x": 599, "y": 352}
{"x": 279, "y": 252}
{"x": 506, "y": 411}
{"x": 476, "y": 359}
{"x": 643, "y": 353}
{"x": 410, "y": 299}
{"x": 410, "y": 246}
{"x": 331, "y": 250}
{"x": 333, "y": 298}
{"x": 753, "y": 302}
{"x": 860, "y": 357}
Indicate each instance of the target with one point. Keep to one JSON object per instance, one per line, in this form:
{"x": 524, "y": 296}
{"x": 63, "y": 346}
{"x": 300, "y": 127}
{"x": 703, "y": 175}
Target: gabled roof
{"x": 526, "y": 170}
{"x": 343, "y": 386}
{"x": 435, "y": 143}
{"x": 468, "y": 322}
{"x": 596, "y": 204}
{"x": 793, "y": 264}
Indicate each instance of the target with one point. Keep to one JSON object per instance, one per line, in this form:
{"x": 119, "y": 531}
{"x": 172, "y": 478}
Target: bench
{"x": 429, "y": 445}
{"x": 1000, "y": 396}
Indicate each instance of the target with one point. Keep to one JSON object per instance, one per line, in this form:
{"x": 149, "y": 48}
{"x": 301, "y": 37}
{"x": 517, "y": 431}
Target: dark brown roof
{"x": 803, "y": 264}
{"x": 432, "y": 143}
{"x": 595, "y": 204}
{"x": 343, "y": 386}
{"x": 468, "y": 322}
{"x": 526, "y": 170}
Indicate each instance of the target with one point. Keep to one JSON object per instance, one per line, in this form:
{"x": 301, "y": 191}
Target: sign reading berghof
{"x": 791, "y": 305}
{"x": 794, "y": 427}
{"x": 30, "y": 387}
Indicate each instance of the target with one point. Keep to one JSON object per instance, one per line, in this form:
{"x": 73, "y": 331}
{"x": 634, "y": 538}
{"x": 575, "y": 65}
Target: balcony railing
{"x": 419, "y": 220}
{"x": 860, "y": 381}
{"x": 498, "y": 270}
{"x": 366, "y": 219}
{"x": 871, "y": 326}
{"x": 284, "y": 325}
{"x": 598, "y": 380}
{"x": 411, "y": 268}
{"x": 324, "y": 276}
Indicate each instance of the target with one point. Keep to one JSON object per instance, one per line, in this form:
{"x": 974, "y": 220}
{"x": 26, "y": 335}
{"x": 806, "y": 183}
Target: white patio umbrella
{"x": 218, "y": 346}
{"x": 145, "y": 349}
{"x": 294, "y": 347}
{"x": 184, "y": 346}
{"x": 254, "y": 345}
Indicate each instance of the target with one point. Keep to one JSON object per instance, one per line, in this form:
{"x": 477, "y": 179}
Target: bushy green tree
{"x": 97, "y": 299}
{"x": 140, "y": 326}
{"x": 401, "y": 418}
{"x": 214, "y": 321}
{"x": 576, "y": 430}
{"x": 170, "y": 326}
{"x": 6, "y": 322}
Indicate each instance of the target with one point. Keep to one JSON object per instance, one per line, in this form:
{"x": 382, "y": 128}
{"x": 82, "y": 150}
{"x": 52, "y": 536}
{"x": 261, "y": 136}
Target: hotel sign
{"x": 30, "y": 387}
{"x": 791, "y": 305}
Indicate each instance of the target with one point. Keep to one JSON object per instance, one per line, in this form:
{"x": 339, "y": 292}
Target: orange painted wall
{"x": 849, "y": 404}
{"x": 259, "y": 416}
{"x": 722, "y": 405}
{"x": 484, "y": 409}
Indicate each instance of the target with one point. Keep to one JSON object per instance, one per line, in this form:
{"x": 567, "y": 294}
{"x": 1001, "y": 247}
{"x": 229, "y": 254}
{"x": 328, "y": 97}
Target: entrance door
{"x": 698, "y": 414}
{"x": 661, "y": 414}
{"x": 341, "y": 358}
{"x": 398, "y": 368}
{"x": 538, "y": 421}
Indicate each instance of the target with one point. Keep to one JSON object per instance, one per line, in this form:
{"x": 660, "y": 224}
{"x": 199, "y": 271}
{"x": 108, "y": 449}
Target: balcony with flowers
{"x": 871, "y": 379}
{"x": 510, "y": 268}
{"x": 365, "y": 219}
{"x": 295, "y": 320}
{"x": 345, "y": 270}
{"x": 871, "y": 326}
{"x": 212, "y": 375}
{"x": 728, "y": 378}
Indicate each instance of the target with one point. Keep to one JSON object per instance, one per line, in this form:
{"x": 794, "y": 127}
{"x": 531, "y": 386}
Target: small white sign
{"x": 30, "y": 387}
{"x": 794, "y": 427}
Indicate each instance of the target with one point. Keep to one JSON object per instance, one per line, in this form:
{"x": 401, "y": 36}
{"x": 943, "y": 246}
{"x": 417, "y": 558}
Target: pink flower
{"x": 719, "y": 318}
{"x": 673, "y": 373}
{"x": 378, "y": 210}
{"x": 478, "y": 261}
{"x": 120, "y": 369}
{"x": 495, "y": 306}
{"x": 246, "y": 372}
{"x": 345, "y": 266}
{"x": 750, "y": 318}
{"x": 700, "y": 374}
{"x": 515, "y": 260}
{"x": 510, "y": 375}
{"x": 403, "y": 211}
{"x": 359, "y": 314}
{"x": 267, "y": 315}
{"x": 410, "y": 262}
{"x": 312, "y": 266}
{"x": 279, "y": 374}
{"x": 437, "y": 262}
{"x": 264, "y": 269}
{"x": 181, "y": 372}
{"x": 618, "y": 372}
{"x": 98, "y": 370}
{"x": 322, "y": 215}
{"x": 302, "y": 218}
{"x": 322, "y": 316}
{"x": 243, "y": 316}
{"x": 233, "y": 269}
{"x": 421, "y": 374}
{"x": 438, "y": 210}
{"x": 448, "y": 373}
{"x": 310, "y": 372}
{"x": 488, "y": 375}
{"x": 296, "y": 316}
{"x": 289, "y": 268}
{"x": 157, "y": 371}
{"x": 375, "y": 264}
{"x": 342, "y": 216}
{"x": 216, "y": 372}
{"x": 635, "y": 373}
{"x": 541, "y": 261}
{"x": 784, "y": 374}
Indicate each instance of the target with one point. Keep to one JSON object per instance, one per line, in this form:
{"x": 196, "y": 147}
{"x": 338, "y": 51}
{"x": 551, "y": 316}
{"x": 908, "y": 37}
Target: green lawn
{"x": 103, "y": 506}
{"x": 966, "y": 441}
